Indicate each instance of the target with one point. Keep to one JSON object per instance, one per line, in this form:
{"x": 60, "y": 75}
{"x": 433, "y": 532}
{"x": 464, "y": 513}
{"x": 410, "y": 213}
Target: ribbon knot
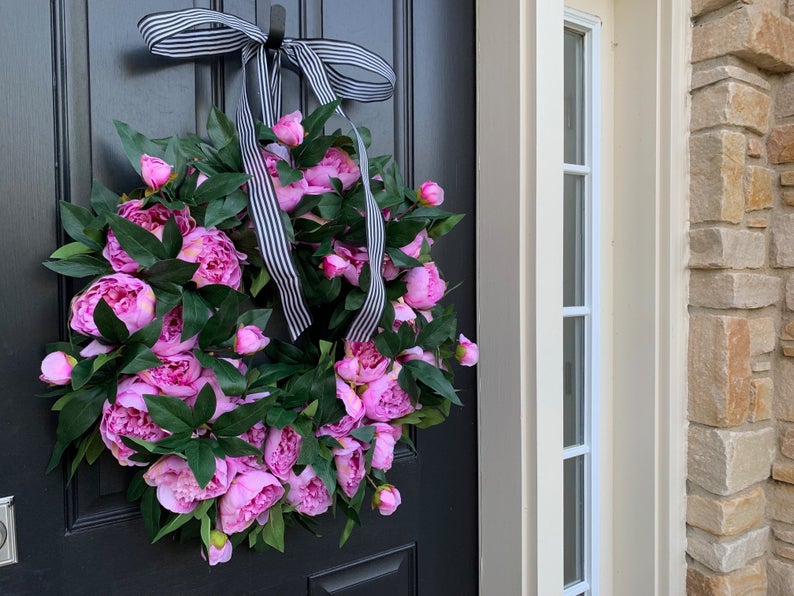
{"x": 174, "y": 34}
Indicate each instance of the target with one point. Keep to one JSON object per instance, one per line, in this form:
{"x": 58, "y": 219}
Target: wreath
{"x": 174, "y": 365}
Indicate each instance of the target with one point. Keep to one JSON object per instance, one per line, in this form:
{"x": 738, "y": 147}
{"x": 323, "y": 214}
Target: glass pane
{"x": 573, "y": 508}
{"x": 574, "y": 97}
{"x": 574, "y": 371}
{"x": 573, "y": 240}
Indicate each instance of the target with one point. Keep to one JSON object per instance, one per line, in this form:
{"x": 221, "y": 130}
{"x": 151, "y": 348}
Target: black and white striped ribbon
{"x": 173, "y": 34}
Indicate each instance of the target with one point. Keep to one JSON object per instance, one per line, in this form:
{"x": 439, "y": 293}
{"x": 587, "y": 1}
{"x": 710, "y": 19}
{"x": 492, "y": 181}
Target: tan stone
{"x": 754, "y": 147}
{"x": 780, "y": 144}
{"x": 788, "y": 331}
{"x": 700, "y": 7}
{"x": 747, "y": 581}
{"x": 733, "y": 289}
{"x": 761, "y": 392}
{"x": 780, "y": 577}
{"x": 756, "y": 222}
{"x": 783, "y": 471}
{"x": 783, "y": 531}
{"x": 758, "y": 188}
{"x": 760, "y": 366}
{"x": 731, "y": 103}
{"x": 787, "y": 178}
{"x": 725, "y": 461}
{"x": 723, "y": 516}
{"x": 780, "y": 501}
{"x": 717, "y": 166}
{"x": 721, "y": 68}
{"x": 788, "y": 197}
{"x": 753, "y": 33}
{"x": 782, "y": 244}
{"x": 783, "y": 549}
{"x": 787, "y": 441}
{"x": 783, "y": 405}
{"x": 726, "y": 554}
{"x": 719, "y": 370}
{"x": 762, "y": 335}
{"x": 790, "y": 9}
{"x": 725, "y": 248}
{"x": 784, "y": 100}
{"x": 790, "y": 294}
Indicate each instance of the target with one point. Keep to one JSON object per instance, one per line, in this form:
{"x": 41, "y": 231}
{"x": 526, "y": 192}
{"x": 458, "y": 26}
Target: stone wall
{"x": 740, "y": 503}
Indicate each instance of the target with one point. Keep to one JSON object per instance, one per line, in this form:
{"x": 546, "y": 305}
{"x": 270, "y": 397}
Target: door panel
{"x": 77, "y": 66}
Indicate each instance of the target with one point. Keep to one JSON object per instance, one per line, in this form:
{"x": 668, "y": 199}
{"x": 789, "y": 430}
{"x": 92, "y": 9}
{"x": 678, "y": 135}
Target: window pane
{"x": 573, "y": 507}
{"x": 574, "y": 97}
{"x": 573, "y": 240}
{"x": 574, "y": 385}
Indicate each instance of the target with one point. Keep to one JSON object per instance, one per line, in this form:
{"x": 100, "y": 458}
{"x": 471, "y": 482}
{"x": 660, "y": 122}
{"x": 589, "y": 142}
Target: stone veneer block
{"x": 783, "y": 532}
{"x": 721, "y": 248}
{"x": 787, "y": 440}
{"x": 780, "y": 144}
{"x": 747, "y": 581}
{"x": 780, "y": 502}
{"x": 787, "y": 178}
{"x": 727, "y": 67}
{"x": 760, "y": 36}
{"x": 761, "y": 392}
{"x": 716, "y": 170}
{"x": 784, "y": 100}
{"x": 725, "y": 461}
{"x": 758, "y": 188}
{"x": 783, "y": 549}
{"x": 731, "y": 103}
{"x": 784, "y": 390}
{"x": 782, "y": 246}
{"x": 700, "y": 7}
{"x": 783, "y": 471}
{"x": 726, "y": 554}
{"x": 762, "y": 335}
{"x": 733, "y": 289}
{"x": 780, "y": 577}
{"x": 726, "y": 516}
{"x": 719, "y": 370}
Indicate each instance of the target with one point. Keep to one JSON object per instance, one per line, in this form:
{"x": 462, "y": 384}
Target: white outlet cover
{"x": 8, "y": 552}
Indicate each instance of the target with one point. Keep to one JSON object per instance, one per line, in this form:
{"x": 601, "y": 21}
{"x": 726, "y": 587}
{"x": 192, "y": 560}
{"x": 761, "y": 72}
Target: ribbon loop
{"x": 174, "y": 34}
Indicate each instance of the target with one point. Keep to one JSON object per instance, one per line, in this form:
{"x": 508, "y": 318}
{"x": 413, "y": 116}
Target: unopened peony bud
{"x": 467, "y": 352}
{"x": 249, "y": 340}
{"x": 154, "y": 171}
{"x": 56, "y": 368}
{"x": 430, "y": 194}
{"x": 386, "y": 499}
{"x": 288, "y": 129}
{"x": 220, "y": 547}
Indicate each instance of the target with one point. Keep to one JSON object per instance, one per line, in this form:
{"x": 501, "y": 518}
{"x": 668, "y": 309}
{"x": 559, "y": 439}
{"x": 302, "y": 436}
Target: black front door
{"x": 70, "y": 68}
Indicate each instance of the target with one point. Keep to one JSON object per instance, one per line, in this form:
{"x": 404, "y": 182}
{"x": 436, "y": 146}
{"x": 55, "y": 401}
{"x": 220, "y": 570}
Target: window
{"x": 580, "y": 305}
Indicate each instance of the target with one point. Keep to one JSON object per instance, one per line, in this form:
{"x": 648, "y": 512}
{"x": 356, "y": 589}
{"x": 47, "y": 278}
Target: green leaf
{"x": 216, "y": 294}
{"x": 201, "y": 461}
{"x": 150, "y": 511}
{"x": 221, "y": 210}
{"x": 140, "y": 244}
{"x": 147, "y": 335}
{"x": 168, "y": 297}
{"x": 221, "y": 129}
{"x": 280, "y": 418}
{"x": 363, "y": 433}
{"x": 286, "y": 174}
{"x": 75, "y": 418}
{"x": 310, "y": 450}
{"x": 219, "y": 185}
{"x": 431, "y": 417}
{"x": 259, "y": 281}
{"x": 271, "y": 373}
{"x": 400, "y": 259}
{"x": 194, "y": 314}
{"x": 70, "y": 250}
{"x": 256, "y": 317}
{"x": 110, "y": 326}
{"x": 433, "y": 378}
{"x": 311, "y": 409}
{"x": 220, "y": 327}
{"x": 82, "y": 447}
{"x": 103, "y": 200}
{"x": 75, "y": 221}
{"x": 273, "y": 532}
{"x": 351, "y": 523}
{"x": 236, "y": 447}
{"x": 324, "y": 470}
{"x": 171, "y": 271}
{"x": 231, "y": 380}
{"x": 242, "y": 418}
{"x": 204, "y": 407}
{"x": 135, "y": 145}
{"x": 388, "y": 344}
{"x": 355, "y": 300}
{"x": 437, "y": 331}
{"x": 138, "y": 357}
{"x": 169, "y": 412}
{"x": 443, "y": 227}
{"x": 79, "y": 266}
{"x": 313, "y": 123}
{"x": 309, "y": 154}
{"x": 172, "y": 238}
{"x": 403, "y": 232}
{"x": 136, "y": 487}
{"x": 177, "y": 522}
{"x": 82, "y": 373}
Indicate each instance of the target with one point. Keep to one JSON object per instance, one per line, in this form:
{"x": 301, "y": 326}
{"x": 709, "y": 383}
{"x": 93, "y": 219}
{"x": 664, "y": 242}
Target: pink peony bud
{"x": 220, "y": 548}
{"x": 334, "y": 266}
{"x": 386, "y": 499}
{"x": 467, "y": 352}
{"x": 249, "y": 340}
{"x": 154, "y": 171}
{"x": 430, "y": 194}
{"x": 288, "y": 129}
{"x": 56, "y": 368}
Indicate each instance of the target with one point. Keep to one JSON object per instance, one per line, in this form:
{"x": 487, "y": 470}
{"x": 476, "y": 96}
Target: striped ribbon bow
{"x": 172, "y": 34}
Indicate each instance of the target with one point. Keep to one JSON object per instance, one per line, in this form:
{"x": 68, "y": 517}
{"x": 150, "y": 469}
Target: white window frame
{"x": 589, "y": 26}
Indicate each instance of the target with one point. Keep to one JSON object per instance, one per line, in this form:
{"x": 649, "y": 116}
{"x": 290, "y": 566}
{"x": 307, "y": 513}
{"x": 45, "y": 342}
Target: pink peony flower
{"x": 403, "y": 314}
{"x": 154, "y": 171}
{"x": 417, "y": 353}
{"x": 386, "y": 499}
{"x": 155, "y": 216}
{"x": 424, "y": 286}
{"x": 350, "y": 466}
{"x": 219, "y": 261}
{"x": 386, "y": 437}
{"x": 177, "y": 489}
{"x": 94, "y": 348}
{"x": 250, "y": 495}
{"x": 288, "y": 129}
{"x": 175, "y": 376}
{"x": 362, "y": 363}
{"x": 289, "y": 196}
{"x": 130, "y": 298}
{"x": 354, "y": 412}
{"x": 430, "y": 194}
{"x": 467, "y": 352}
{"x": 56, "y": 368}
{"x": 223, "y": 403}
{"x": 170, "y": 340}
{"x": 414, "y": 248}
{"x": 307, "y": 493}
{"x": 282, "y": 448}
{"x": 384, "y": 399}
{"x": 336, "y": 164}
{"x": 220, "y": 548}
{"x": 128, "y": 416}
{"x": 118, "y": 258}
{"x": 334, "y": 266}
{"x": 254, "y": 436}
{"x": 249, "y": 340}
